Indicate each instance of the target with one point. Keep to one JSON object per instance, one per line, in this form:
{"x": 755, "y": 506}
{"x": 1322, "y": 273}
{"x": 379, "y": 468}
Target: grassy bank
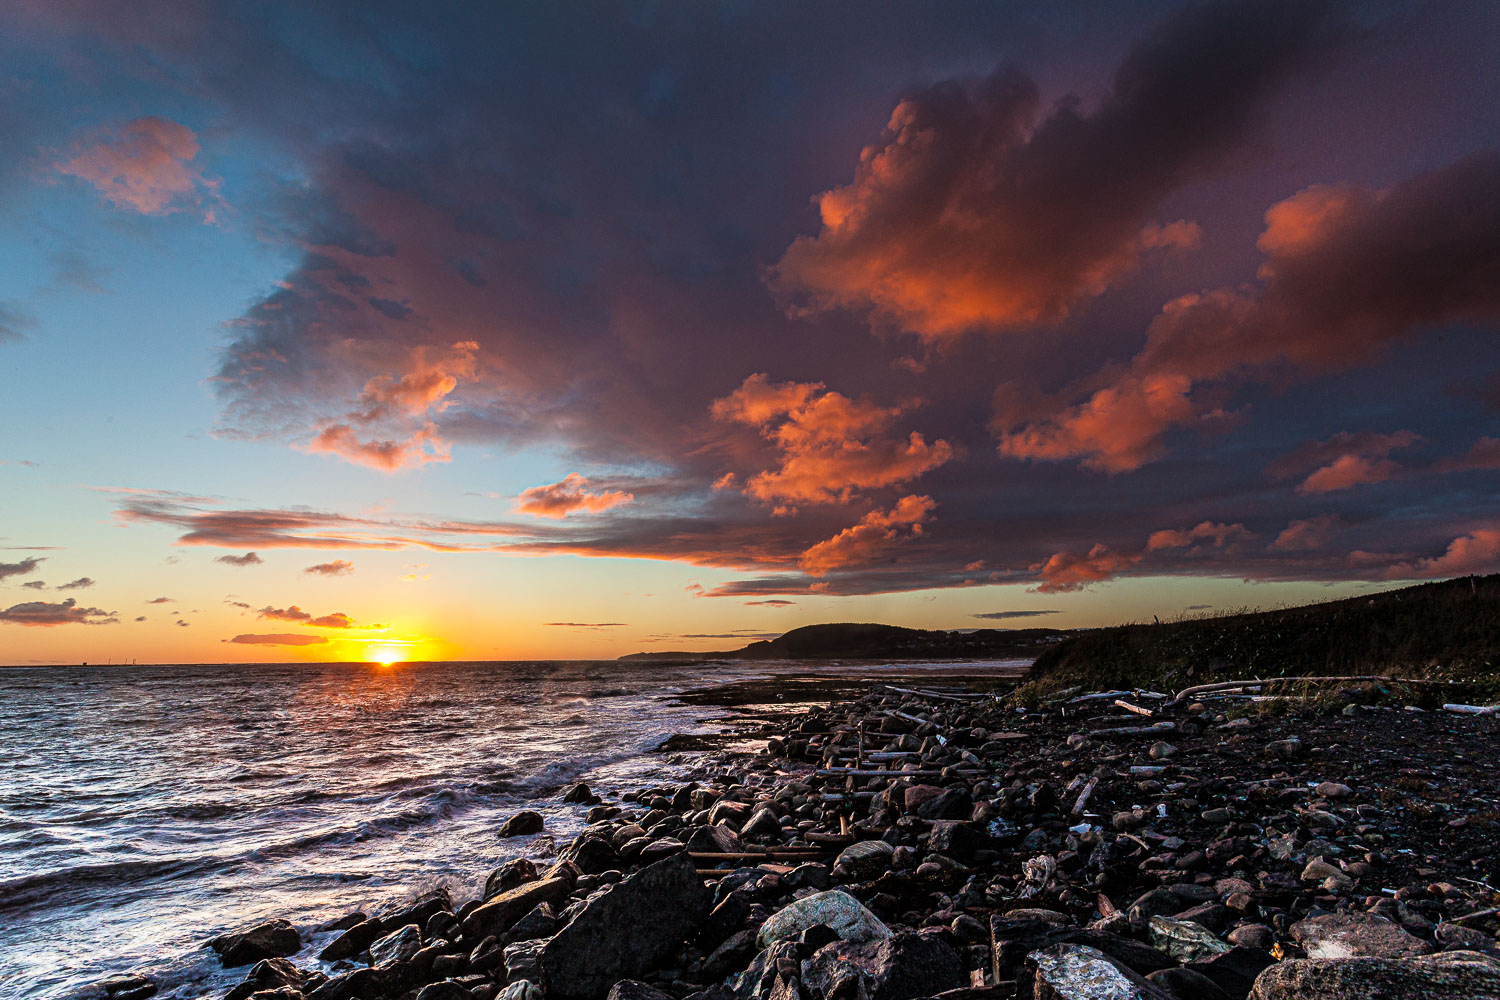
{"x": 1441, "y": 630}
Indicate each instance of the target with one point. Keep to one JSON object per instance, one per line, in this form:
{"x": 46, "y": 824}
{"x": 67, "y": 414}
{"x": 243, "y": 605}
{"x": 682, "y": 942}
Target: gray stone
{"x": 1463, "y": 974}
{"x": 499, "y": 914}
{"x": 1078, "y": 972}
{"x": 1184, "y": 940}
{"x": 272, "y": 939}
{"x": 1355, "y": 935}
{"x": 625, "y": 930}
{"x": 521, "y": 824}
{"x": 900, "y": 967}
{"x": 835, "y": 908}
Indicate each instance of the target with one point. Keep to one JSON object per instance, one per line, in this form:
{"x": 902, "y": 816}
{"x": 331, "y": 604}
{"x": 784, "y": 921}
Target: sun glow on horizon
{"x": 386, "y": 654}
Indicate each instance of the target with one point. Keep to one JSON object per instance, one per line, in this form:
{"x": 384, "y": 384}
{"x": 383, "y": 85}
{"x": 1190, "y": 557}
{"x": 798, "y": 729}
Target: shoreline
{"x": 1016, "y": 849}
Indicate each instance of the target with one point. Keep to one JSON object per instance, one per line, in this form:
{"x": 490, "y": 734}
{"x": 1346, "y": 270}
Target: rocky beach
{"x": 935, "y": 840}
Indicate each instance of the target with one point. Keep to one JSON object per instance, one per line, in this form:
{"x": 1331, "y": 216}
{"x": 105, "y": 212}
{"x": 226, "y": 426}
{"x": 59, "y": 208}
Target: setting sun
{"x": 386, "y": 655}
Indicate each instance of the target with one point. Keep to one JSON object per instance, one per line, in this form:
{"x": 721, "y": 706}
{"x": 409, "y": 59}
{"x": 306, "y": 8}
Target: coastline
{"x": 1018, "y": 848}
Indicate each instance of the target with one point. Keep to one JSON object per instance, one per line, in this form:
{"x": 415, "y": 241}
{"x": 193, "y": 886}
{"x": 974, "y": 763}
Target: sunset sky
{"x": 495, "y": 331}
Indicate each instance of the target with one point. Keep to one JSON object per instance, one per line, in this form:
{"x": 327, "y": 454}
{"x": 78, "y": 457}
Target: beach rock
{"x": 1464, "y": 974}
{"x": 497, "y": 915}
{"x": 356, "y": 985}
{"x": 353, "y": 941}
{"x": 133, "y": 987}
{"x": 398, "y": 946}
{"x": 954, "y": 802}
{"x": 418, "y": 911}
{"x": 580, "y": 794}
{"x": 1252, "y": 936}
{"x": 1188, "y": 984}
{"x": 864, "y": 860}
{"x": 445, "y": 990}
{"x": 1235, "y": 971}
{"x": 592, "y": 854}
{"x": 1355, "y": 935}
{"x": 1078, "y": 972}
{"x": 836, "y": 909}
{"x": 539, "y": 922}
{"x": 714, "y": 840}
{"x": 510, "y": 875}
{"x": 634, "y": 989}
{"x": 1012, "y": 940}
{"x": 521, "y": 824}
{"x": 523, "y": 960}
{"x": 1184, "y": 940}
{"x": 521, "y": 989}
{"x": 762, "y": 823}
{"x": 899, "y": 967}
{"x": 625, "y": 930}
{"x": 272, "y": 939}
{"x": 730, "y": 812}
{"x": 267, "y": 974}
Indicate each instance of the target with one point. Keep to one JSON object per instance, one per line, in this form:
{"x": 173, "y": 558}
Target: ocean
{"x": 145, "y": 809}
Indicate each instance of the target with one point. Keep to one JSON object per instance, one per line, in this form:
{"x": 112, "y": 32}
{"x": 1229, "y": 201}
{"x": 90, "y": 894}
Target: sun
{"x": 386, "y": 655}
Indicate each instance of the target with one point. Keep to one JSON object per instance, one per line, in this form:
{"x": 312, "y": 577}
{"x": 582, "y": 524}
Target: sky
{"x": 499, "y": 331}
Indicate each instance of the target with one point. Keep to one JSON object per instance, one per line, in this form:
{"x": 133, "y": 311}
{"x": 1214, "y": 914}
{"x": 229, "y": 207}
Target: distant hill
{"x": 865, "y": 641}
{"x": 1449, "y": 629}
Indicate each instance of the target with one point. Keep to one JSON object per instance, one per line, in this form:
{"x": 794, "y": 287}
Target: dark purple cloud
{"x": 40, "y": 613}
{"x": 278, "y": 639}
{"x": 248, "y": 559}
{"x": 23, "y": 568}
{"x": 82, "y": 583}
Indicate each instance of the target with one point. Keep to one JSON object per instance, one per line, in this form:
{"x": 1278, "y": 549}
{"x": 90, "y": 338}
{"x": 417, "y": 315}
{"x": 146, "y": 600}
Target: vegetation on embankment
{"x": 1444, "y": 630}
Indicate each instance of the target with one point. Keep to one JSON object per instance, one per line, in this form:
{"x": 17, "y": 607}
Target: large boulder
{"x": 271, "y": 974}
{"x": 1356, "y": 935}
{"x": 397, "y": 946}
{"x": 496, "y": 915}
{"x": 1078, "y": 972}
{"x": 521, "y": 824}
{"x": 1012, "y": 940}
{"x": 625, "y": 930}
{"x": 1465, "y": 974}
{"x": 835, "y": 908}
{"x": 353, "y": 941}
{"x": 899, "y": 967}
{"x": 272, "y": 939}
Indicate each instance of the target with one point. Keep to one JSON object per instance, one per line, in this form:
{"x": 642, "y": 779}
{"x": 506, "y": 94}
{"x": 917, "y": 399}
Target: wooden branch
{"x": 1137, "y": 709}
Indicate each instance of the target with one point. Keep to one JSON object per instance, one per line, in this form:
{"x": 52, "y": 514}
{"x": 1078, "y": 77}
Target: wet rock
{"x": 134, "y": 987}
{"x": 521, "y": 989}
{"x": 272, "y": 939}
{"x": 539, "y": 922}
{"x": 267, "y": 974}
{"x": 352, "y": 985}
{"x": 1012, "y": 940}
{"x": 580, "y": 794}
{"x": 900, "y": 967}
{"x": 1078, "y": 972}
{"x": 954, "y": 802}
{"x": 1184, "y": 940}
{"x": 417, "y": 911}
{"x": 1351, "y": 935}
{"x": 836, "y": 909}
{"x": 398, "y": 946}
{"x": 736, "y": 950}
{"x": 1463, "y": 974}
{"x": 591, "y": 854}
{"x": 1235, "y": 971}
{"x": 523, "y": 960}
{"x": 353, "y": 941}
{"x": 864, "y": 860}
{"x": 763, "y": 823}
{"x": 625, "y": 930}
{"x": 729, "y": 811}
{"x": 510, "y": 875}
{"x": 1252, "y": 936}
{"x": 521, "y": 824}
{"x": 714, "y": 839}
{"x": 497, "y": 915}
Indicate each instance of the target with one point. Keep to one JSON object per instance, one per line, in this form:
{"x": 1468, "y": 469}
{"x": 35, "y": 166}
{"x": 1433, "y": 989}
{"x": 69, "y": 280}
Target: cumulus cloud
{"x": 67, "y": 613}
{"x": 568, "y": 496}
{"x": 82, "y": 583}
{"x": 1477, "y": 551}
{"x": 1344, "y": 461}
{"x": 1068, "y": 571}
{"x": 1348, "y": 272}
{"x": 145, "y": 165}
{"x": 337, "y": 567}
{"x": 164, "y": 600}
{"x": 23, "y": 568}
{"x": 291, "y": 614}
{"x": 1307, "y": 534}
{"x": 977, "y": 211}
{"x": 34, "y": 585}
{"x": 248, "y": 559}
{"x": 1216, "y": 535}
{"x": 1003, "y": 615}
{"x": 831, "y": 446}
{"x": 279, "y": 639}
{"x": 1484, "y": 454}
{"x": 336, "y": 620}
{"x": 390, "y": 427}
{"x": 875, "y": 534}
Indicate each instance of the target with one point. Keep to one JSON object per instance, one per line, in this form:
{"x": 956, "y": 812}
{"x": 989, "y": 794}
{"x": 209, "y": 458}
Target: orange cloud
{"x": 1485, "y": 454}
{"x": 1343, "y": 461}
{"x": 1473, "y": 553}
{"x": 1348, "y": 471}
{"x": 145, "y": 165}
{"x": 830, "y": 444}
{"x": 560, "y": 499}
{"x": 248, "y": 559}
{"x": 875, "y": 533}
{"x": 389, "y": 427}
{"x": 978, "y": 211}
{"x": 1067, "y": 571}
{"x": 1219, "y": 534}
{"x": 1349, "y": 271}
{"x": 338, "y": 567}
{"x": 1306, "y": 535}
{"x": 291, "y": 614}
